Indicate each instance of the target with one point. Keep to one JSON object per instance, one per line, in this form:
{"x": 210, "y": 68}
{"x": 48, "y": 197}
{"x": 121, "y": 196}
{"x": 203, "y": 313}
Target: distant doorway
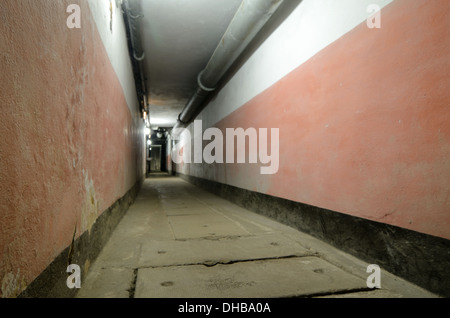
{"x": 155, "y": 158}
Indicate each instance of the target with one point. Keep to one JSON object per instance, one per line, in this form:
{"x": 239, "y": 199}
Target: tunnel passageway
{"x": 179, "y": 241}
{"x": 306, "y": 145}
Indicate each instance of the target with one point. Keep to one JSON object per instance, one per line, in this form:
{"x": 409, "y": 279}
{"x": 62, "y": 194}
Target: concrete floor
{"x": 179, "y": 241}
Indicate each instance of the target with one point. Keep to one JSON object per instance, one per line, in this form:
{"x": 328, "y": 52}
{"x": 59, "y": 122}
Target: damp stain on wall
{"x": 89, "y": 212}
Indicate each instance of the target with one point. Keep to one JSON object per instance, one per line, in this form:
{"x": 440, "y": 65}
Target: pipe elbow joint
{"x": 200, "y": 84}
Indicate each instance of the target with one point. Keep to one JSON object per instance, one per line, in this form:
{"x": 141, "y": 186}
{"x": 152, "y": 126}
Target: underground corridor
{"x": 224, "y": 149}
{"x": 181, "y": 241}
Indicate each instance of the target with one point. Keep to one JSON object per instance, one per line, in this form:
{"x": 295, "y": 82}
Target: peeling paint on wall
{"x": 89, "y": 210}
{"x": 13, "y": 285}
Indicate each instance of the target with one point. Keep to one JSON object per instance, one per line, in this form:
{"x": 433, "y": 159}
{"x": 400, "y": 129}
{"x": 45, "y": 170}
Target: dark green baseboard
{"x": 51, "y": 283}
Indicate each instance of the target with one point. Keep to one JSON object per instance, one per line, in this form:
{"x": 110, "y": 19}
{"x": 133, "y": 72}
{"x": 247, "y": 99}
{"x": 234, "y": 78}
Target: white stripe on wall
{"x": 311, "y": 27}
{"x": 116, "y": 46}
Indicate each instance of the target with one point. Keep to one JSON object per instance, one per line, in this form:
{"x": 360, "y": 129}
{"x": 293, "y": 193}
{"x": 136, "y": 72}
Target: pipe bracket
{"x": 199, "y": 82}
{"x": 139, "y": 58}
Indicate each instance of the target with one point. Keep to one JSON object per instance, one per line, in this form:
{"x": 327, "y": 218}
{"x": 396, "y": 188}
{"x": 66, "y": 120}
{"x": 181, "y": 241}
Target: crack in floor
{"x": 211, "y": 263}
{"x": 335, "y": 292}
{"x": 230, "y": 262}
{"x": 132, "y": 289}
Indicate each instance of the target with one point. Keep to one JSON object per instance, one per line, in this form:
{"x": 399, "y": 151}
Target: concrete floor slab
{"x": 107, "y": 283}
{"x": 180, "y": 203}
{"x": 207, "y": 225}
{"x": 289, "y": 277}
{"x": 177, "y": 240}
{"x": 220, "y": 250}
{"x": 149, "y": 220}
{"x": 187, "y": 210}
{"x": 121, "y": 251}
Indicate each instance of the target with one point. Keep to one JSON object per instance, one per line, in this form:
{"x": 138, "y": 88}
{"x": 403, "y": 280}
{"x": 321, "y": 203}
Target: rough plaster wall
{"x": 69, "y": 146}
{"x": 363, "y": 124}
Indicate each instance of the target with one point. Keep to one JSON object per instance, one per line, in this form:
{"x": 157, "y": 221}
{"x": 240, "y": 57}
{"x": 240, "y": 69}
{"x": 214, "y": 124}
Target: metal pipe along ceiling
{"x": 130, "y": 8}
{"x": 249, "y": 19}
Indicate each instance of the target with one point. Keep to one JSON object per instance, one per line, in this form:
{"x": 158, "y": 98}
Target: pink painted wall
{"x": 70, "y": 146}
{"x": 364, "y": 124}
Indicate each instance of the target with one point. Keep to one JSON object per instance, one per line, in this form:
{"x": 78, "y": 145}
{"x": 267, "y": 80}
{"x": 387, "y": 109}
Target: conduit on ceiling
{"x": 249, "y": 19}
{"x": 131, "y": 12}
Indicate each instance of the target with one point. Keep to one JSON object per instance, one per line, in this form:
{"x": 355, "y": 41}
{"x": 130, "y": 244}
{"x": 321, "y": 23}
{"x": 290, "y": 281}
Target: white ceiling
{"x": 179, "y": 37}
